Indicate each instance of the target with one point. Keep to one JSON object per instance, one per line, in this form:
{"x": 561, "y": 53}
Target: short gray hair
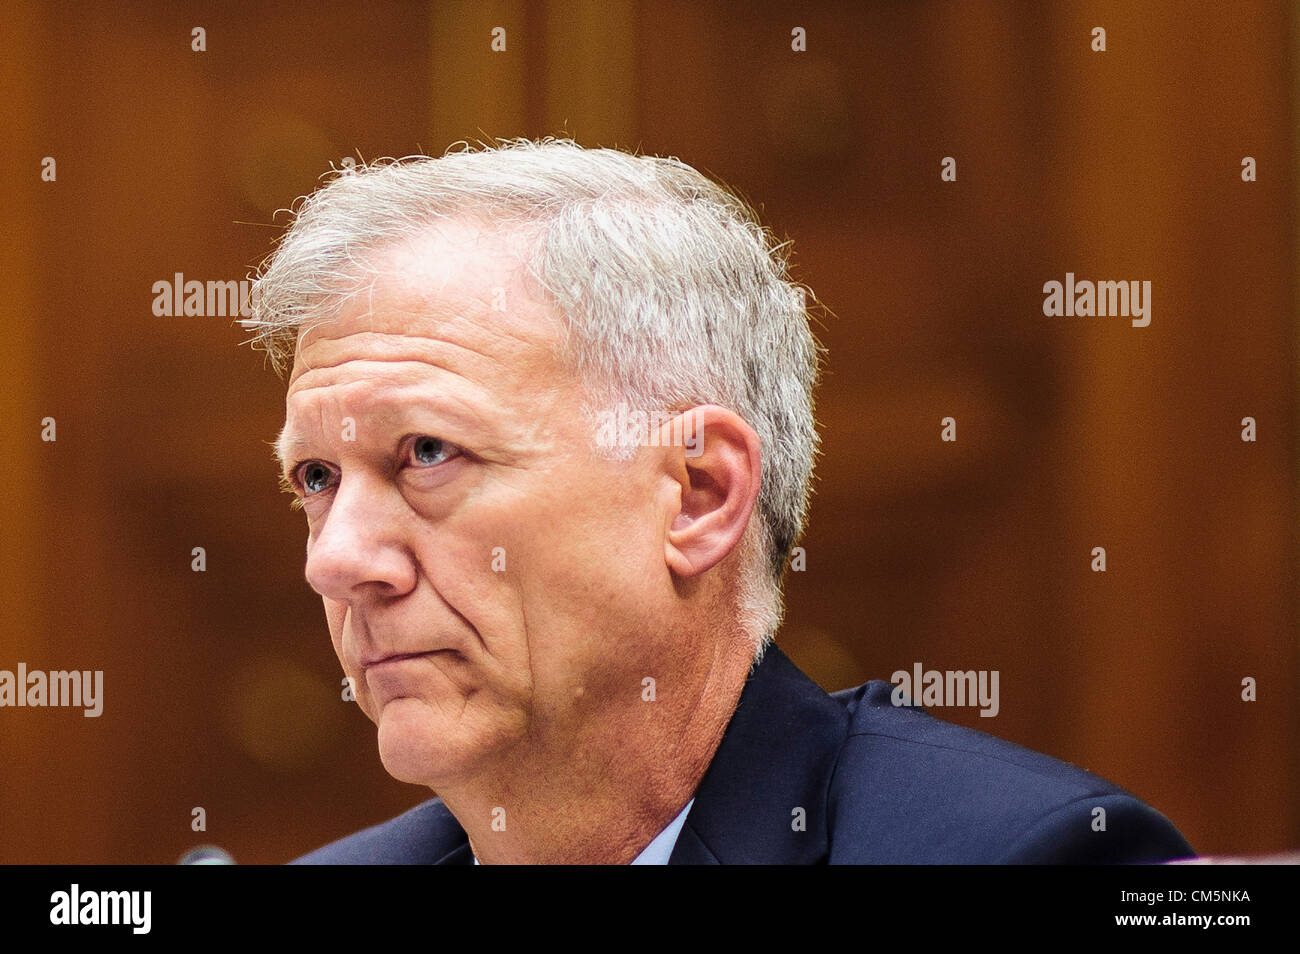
{"x": 673, "y": 293}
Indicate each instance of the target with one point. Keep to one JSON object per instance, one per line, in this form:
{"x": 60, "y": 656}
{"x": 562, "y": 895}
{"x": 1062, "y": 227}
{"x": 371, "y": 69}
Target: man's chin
{"x": 417, "y": 746}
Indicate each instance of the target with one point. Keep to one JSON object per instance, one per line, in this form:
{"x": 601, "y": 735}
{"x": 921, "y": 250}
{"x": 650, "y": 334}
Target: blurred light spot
{"x": 283, "y": 716}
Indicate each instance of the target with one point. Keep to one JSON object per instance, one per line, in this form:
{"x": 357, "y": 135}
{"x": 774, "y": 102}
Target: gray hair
{"x": 674, "y": 295}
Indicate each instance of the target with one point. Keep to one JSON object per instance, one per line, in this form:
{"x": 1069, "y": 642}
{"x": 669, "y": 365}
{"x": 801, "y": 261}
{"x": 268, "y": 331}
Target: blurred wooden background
{"x": 221, "y": 690}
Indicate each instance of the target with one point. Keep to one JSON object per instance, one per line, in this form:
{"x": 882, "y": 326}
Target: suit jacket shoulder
{"x": 972, "y": 798}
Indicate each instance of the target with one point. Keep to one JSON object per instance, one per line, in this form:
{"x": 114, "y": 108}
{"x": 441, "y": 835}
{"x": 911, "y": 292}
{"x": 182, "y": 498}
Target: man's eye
{"x": 315, "y": 477}
{"x": 428, "y": 451}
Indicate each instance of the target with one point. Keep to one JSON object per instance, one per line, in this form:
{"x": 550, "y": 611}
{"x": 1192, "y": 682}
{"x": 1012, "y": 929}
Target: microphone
{"x": 206, "y": 855}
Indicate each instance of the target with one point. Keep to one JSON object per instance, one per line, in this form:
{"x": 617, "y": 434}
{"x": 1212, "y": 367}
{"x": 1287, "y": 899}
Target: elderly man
{"x": 550, "y": 421}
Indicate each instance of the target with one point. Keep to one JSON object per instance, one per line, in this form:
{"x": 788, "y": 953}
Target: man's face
{"x": 487, "y": 579}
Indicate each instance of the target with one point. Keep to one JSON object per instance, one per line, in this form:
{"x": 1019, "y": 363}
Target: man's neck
{"x": 602, "y": 798}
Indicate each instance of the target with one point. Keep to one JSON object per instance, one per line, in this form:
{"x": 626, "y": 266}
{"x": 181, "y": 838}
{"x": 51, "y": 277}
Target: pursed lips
{"x": 399, "y": 657}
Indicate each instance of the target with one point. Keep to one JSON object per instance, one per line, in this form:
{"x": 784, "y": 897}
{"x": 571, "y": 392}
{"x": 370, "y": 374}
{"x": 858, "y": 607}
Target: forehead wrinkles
{"x": 369, "y": 369}
{"x": 367, "y": 352}
{"x": 388, "y": 386}
{"x": 432, "y": 332}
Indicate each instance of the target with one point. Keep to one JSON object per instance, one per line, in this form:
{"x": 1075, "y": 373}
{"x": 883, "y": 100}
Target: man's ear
{"x": 715, "y": 458}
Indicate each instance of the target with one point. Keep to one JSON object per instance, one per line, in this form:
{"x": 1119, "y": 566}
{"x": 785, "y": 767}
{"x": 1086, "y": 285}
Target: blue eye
{"x": 431, "y": 450}
{"x": 315, "y": 477}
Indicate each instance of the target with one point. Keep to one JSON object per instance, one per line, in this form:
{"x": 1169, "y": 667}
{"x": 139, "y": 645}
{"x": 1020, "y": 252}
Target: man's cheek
{"x": 336, "y": 615}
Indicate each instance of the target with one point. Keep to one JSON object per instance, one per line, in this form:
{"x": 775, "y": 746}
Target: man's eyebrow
{"x": 284, "y": 445}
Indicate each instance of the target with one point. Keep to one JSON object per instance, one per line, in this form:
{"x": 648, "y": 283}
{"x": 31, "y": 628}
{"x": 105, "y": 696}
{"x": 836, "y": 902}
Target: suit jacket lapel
{"x": 763, "y": 799}
{"x": 460, "y": 855}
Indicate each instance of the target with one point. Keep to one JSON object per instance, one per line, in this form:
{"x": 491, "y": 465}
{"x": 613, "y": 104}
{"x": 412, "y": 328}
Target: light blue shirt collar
{"x": 661, "y": 847}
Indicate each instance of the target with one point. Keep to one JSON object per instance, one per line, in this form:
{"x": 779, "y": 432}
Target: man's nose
{"x": 358, "y": 550}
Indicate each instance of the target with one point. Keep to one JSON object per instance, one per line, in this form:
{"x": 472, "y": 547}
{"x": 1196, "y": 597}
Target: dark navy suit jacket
{"x": 877, "y": 784}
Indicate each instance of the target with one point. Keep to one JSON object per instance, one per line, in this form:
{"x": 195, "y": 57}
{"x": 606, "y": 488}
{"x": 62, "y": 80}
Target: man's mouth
{"x": 396, "y": 658}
